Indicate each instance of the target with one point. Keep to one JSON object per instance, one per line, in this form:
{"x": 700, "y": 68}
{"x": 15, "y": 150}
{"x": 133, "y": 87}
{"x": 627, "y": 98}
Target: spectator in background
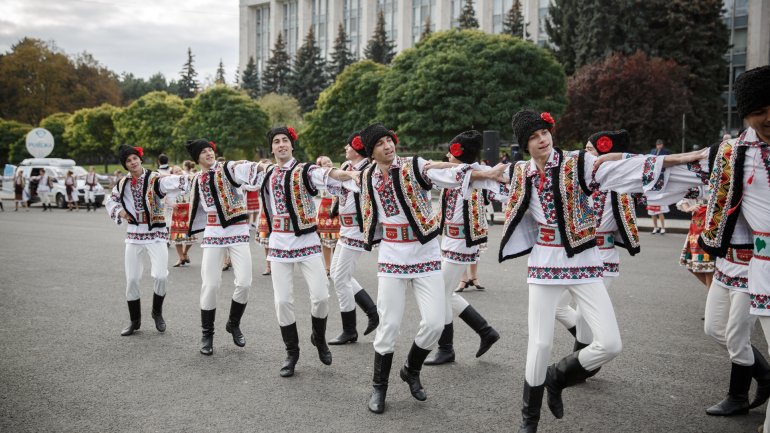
{"x": 71, "y": 188}
{"x": 505, "y": 159}
{"x": 163, "y": 167}
{"x": 18, "y": 190}
{"x": 659, "y": 149}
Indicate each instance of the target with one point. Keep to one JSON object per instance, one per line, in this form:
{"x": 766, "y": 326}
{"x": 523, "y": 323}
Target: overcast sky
{"x": 138, "y": 36}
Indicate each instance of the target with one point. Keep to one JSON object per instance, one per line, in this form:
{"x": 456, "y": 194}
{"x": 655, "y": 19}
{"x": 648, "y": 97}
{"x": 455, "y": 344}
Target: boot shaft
{"x": 740, "y": 380}
{"x": 472, "y": 317}
{"x": 157, "y": 303}
{"x": 236, "y": 312}
{"x": 348, "y": 320}
{"x": 382, "y": 364}
{"x": 567, "y": 372}
{"x": 135, "y": 310}
{"x": 319, "y": 328}
{"x": 532, "y": 402}
{"x": 416, "y": 358}
{"x": 365, "y": 302}
{"x": 447, "y": 337}
{"x": 290, "y": 337}
{"x": 207, "y": 321}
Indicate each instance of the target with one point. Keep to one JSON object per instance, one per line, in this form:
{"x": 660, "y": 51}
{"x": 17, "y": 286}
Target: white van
{"x": 56, "y": 168}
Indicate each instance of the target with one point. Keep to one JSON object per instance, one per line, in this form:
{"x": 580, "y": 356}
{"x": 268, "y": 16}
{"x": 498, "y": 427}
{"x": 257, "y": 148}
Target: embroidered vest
{"x": 412, "y": 191}
{"x": 228, "y": 199}
{"x": 726, "y": 183}
{"x": 574, "y": 215}
{"x": 153, "y": 200}
{"x": 624, "y": 211}
{"x": 474, "y": 217}
{"x": 298, "y": 192}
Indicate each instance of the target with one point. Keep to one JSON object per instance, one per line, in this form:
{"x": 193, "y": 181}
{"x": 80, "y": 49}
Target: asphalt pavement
{"x": 65, "y": 367}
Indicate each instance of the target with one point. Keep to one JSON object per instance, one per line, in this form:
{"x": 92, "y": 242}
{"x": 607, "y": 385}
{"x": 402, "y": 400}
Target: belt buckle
{"x": 347, "y": 220}
{"x": 547, "y": 234}
{"x": 454, "y": 231}
{"x": 744, "y": 255}
{"x": 600, "y": 241}
{"x": 391, "y": 233}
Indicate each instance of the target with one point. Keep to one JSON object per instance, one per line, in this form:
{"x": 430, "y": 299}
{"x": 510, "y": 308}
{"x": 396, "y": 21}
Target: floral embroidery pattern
{"x": 628, "y": 214}
{"x": 460, "y": 257}
{"x": 648, "y": 171}
{"x": 303, "y": 204}
{"x": 148, "y": 236}
{"x": 295, "y": 254}
{"x": 730, "y": 281}
{"x": 136, "y": 193}
{"x": 723, "y": 189}
{"x": 574, "y": 273}
{"x": 600, "y": 199}
{"x": 225, "y": 240}
{"x": 766, "y": 159}
{"x": 759, "y": 302}
{"x": 418, "y": 199}
{"x": 417, "y": 268}
{"x": 543, "y": 186}
{"x": 477, "y": 215}
{"x": 276, "y": 187}
{"x": 205, "y": 187}
{"x": 355, "y": 243}
{"x": 612, "y": 268}
{"x": 451, "y": 202}
{"x": 385, "y": 191}
{"x": 578, "y": 215}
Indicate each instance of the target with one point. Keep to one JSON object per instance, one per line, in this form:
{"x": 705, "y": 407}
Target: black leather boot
{"x": 318, "y": 338}
{"x": 135, "y": 314}
{"x": 573, "y": 331}
{"x": 382, "y": 365}
{"x": 369, "y": 308}
{"x": 577, "y": 348}
{"x": 737, "y": 400}
{"x": 445, "y": 352}
{"x": 760, "y": 371}
{"x": 157, "y": 312}
{"x": 488, "y": 334}
{"x": 563, "y": 374}
{"x": 291, "y": 340}
{"x": 349, "y": 333}
{"x": 207, "y": 324}
{"x": 410, "y": 372}
{"x": 234, "y": 323}
{"x": 530, "y": 408}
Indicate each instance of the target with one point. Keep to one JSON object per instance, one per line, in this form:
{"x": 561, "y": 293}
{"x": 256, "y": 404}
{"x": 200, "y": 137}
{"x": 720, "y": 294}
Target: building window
{"x": 262, "y": 28}
{"x": 390, "y": 9}
{"x": 500, "y": 10}
{"x": 422, "y": 10}
{"x": 320, "y": 12}
{"x": 351, "y": 17}
{"x": 542, "y": 16}
{"x": 290, "y": 26}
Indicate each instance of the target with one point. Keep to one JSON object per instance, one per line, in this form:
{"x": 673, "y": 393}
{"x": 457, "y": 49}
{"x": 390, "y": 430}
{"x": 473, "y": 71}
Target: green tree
{"x": 308, "y": 76}
{"x": 229, "y": 118}
{"x": 561, "y": 27}
{"x": 277, "y": 73}
{"x": 281, "y": 109}
{"x": 380, "y": 49}
{"x": 341, "y": 56}
{"x": 219, "y": 78}
{"x": 646, "y": 96}
{"x": 457, "y": 80}
{"x": 426, "y": 28}
{"x": 150, "y": 122}
{"x": 348, "y": 105}
{"x": 90, "y": 133}
{"x": 467, "y": 19}
{"x": 13, "y": 136}
{"x": 513, "y": 24}
{"x": 250, "y": 79}
{"x": 94, "y": 84}
{"x": 188, "y": 84}
{"x": 56, "y": 124}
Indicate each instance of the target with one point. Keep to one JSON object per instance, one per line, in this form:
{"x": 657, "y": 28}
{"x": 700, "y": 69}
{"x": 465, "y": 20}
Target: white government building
{"x": 262, "y": 20}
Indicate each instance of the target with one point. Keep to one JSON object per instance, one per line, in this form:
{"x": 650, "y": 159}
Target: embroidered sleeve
{"x": 446, "y": 177}
{"x": 679, "y": 181}
{"x": 319, "y": 176}
{"x": 247, "y": 173}
{"x": 113, "y": 206}
{"x": 638, "y": 174}
{"x": 175, "y": 184}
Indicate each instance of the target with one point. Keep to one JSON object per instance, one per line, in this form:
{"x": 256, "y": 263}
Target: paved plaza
{"x": 65, "y": 367}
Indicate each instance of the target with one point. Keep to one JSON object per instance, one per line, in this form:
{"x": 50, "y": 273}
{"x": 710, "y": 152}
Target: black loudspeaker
{"x": 491, "y": 147}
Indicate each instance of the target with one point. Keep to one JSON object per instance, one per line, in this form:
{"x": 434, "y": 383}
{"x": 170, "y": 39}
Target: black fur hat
{"x": 354, "y": 141}
{"x": 752, "y": 90}
{"x": 195, "y": 147}
{"x": 124, "y": 151}
{"x": 611, "y": 141}
{"x": 285, "y": 130}
{"x": 466, "y": 146}
{"x": 526, "y": 122}
{"x": 374, "y": 132}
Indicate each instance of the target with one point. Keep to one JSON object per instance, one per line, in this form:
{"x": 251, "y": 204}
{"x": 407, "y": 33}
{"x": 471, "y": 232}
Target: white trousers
{"x": 211, "y": 273}
{"x": 45, "y": 197}
{"x": 314, "y": 272}
{"x": 570, "y": 317}
{"x": 728, "y": 321}
{"x": 341, "y": 270}
{"x": 135, "y": 267}
{"x": 595, "y": 306}
{"x": 391, "y": 298}
{"x": 455, "y": 304}
{"x": 90, "y": 196}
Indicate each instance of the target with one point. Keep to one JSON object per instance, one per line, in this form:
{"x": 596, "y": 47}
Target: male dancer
{"x": 218, "y": 209}
{"x": 395, "y": 208}
{"x": 464, "y": 226}
{"x": 137, "y": 199}
{"x": 287, "y": 190}
{"x": 90, "y": 189}
{"x": 349, "y": 249}
{"x": 44, "y": 187}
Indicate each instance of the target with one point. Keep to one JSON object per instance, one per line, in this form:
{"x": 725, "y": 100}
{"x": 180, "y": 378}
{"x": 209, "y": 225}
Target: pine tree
{"x": 250, "y": 79}
{"x": 277, "y": 72}
{"x": 561, "y": 28}
{"x": 426, "y": 31}
{"x": 219, "y": 78}
{"x": 380, "y": 49}
{"x": 468, "y": 17}
{"x": 513, "y": 24}
{"x": 308, "y": 77}
{"x": 188, "y": 86}
{"x": 341, "y": 56}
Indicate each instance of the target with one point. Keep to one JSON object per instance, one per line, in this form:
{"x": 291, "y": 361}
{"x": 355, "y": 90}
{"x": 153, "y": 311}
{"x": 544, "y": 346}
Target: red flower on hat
{"x": 293, "y": 133}
{"x": 456, "y": 149}
{"x": 139, "y": 151}
{"x": 395, "y": 137}
{"x": 547, "y": 117}
{"x": 604, "y": 144}
{"x": 356, "y": 143}
{"x": 213, "y": 145}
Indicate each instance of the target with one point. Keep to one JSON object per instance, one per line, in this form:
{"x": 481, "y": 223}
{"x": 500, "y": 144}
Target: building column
{"x": 368, "y": 21}
{"x": 757, "y": 41}
{"x": 484, "y": 14}
{"x": 404, "y": 25}
{"x": 442, "y": 15}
